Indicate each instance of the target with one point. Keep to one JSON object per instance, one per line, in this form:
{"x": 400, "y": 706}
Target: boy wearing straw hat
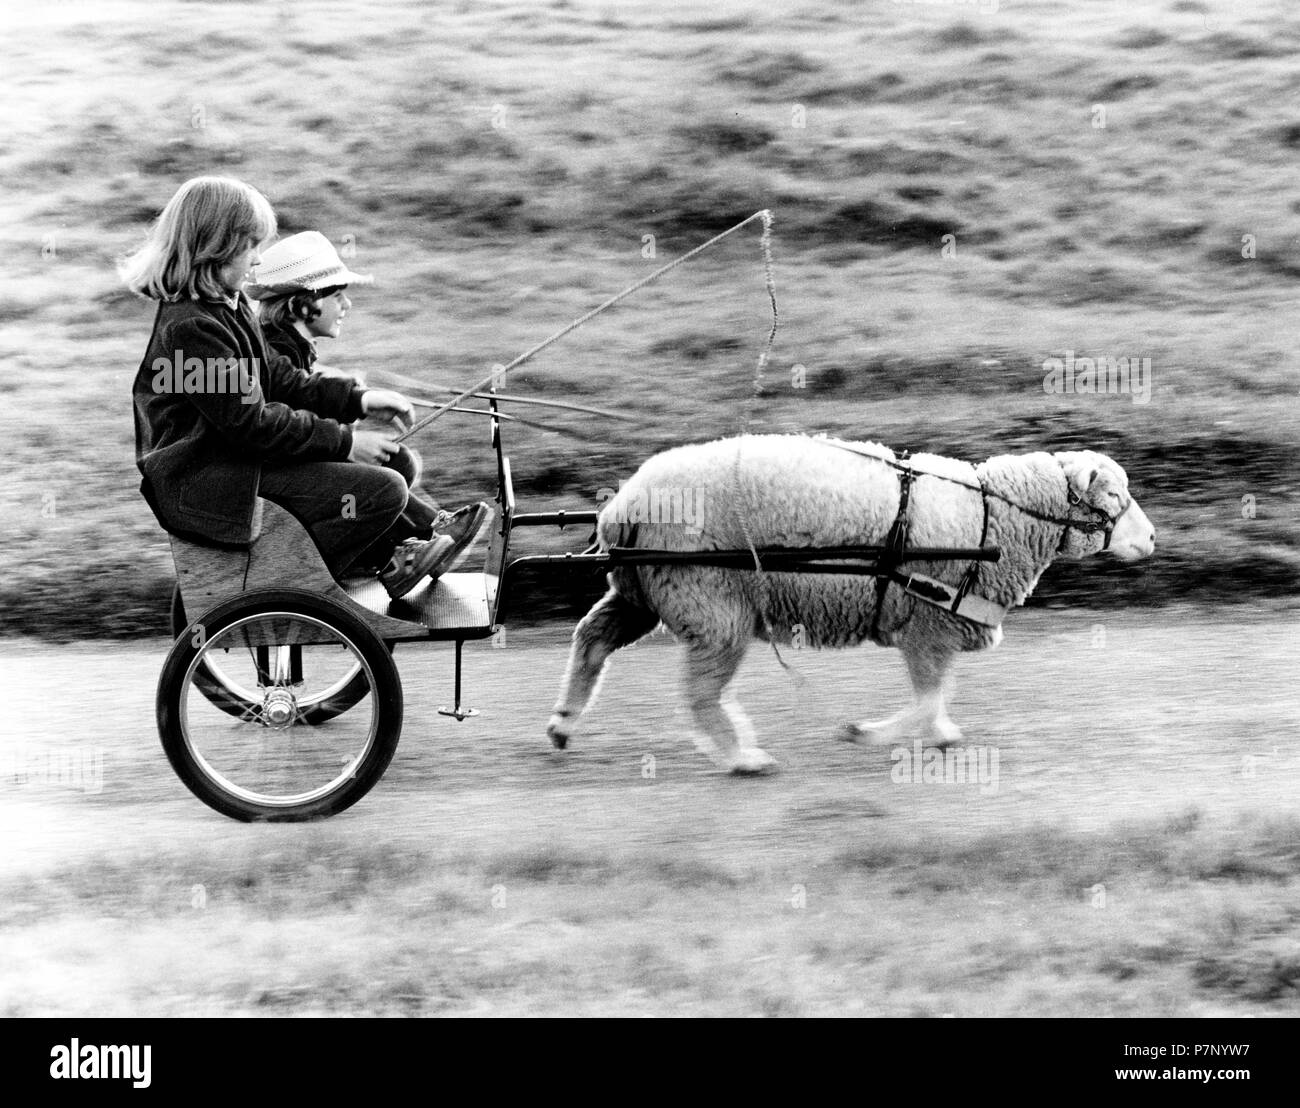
{"x": 301, "y": 286}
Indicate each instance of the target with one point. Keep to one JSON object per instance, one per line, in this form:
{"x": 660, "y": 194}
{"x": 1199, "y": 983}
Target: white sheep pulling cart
{"x": 279, "y": 699}
{"x": 844, "y": 542}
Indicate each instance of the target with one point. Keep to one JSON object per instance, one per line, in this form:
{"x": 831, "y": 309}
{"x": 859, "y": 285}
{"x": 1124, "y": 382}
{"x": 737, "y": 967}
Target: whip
{"x": 765, "y": 215}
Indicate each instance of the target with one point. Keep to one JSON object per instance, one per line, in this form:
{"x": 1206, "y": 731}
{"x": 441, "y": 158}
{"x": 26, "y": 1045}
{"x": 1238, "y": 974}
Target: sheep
{"x": 790, "y": 490}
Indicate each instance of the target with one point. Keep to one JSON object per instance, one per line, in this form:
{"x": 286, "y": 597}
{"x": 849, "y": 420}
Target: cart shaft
{"x": 827, "y": 559}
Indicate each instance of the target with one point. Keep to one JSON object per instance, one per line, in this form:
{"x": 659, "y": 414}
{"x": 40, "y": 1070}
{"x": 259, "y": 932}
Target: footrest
{"x": 456, "y": 603}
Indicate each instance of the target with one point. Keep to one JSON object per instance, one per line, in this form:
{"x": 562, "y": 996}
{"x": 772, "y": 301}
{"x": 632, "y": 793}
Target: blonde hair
{"x": 207, "y": 222}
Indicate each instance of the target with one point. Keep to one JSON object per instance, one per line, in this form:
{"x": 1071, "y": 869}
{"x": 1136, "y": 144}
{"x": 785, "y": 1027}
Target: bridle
{"x": 1106, "y": 523}
{"x": 1101, "y": 520}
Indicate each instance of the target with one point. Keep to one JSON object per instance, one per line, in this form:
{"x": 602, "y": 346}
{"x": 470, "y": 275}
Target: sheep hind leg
{"x": 927, "y": 719}
{"x": 612, "y": 623}
{"x": 723, "y": 725}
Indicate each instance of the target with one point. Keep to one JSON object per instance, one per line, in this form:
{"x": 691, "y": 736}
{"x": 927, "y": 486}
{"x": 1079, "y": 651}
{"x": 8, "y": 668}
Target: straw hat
{"x": 305, "y": 261}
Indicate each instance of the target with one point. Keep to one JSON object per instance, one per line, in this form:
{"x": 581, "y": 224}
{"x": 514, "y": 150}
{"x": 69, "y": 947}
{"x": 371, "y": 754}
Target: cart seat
{"x": 455, "y": 606}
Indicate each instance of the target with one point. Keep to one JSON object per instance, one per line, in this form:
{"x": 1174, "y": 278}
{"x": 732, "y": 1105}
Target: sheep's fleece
{"x": 790, "y": 490}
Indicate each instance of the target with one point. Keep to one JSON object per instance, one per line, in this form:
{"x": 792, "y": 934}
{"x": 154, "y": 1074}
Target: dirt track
{"x": 1096, "y": 721}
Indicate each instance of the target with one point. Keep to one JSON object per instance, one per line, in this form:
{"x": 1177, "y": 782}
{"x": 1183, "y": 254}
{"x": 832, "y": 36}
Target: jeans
{"x": 420, "y": 510}
{"x": 353, "y": 511}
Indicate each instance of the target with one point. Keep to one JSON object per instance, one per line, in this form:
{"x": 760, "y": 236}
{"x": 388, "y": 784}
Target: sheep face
{"x": 1101, "y": 484}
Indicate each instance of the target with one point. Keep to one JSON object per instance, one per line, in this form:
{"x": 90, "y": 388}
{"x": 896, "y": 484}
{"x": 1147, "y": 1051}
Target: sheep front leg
{"x": 614, "y": 622}
{"x": 723, "y": 725}
{"x": 927, "y": 719}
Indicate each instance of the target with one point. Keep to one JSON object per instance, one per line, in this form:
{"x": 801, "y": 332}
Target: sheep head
{"x": 1101, "y": 484}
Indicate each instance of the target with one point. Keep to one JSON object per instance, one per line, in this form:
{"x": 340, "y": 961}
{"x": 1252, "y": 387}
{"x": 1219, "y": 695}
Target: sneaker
{"x": 413, "y": 561}
{"x": 462, "y": 527}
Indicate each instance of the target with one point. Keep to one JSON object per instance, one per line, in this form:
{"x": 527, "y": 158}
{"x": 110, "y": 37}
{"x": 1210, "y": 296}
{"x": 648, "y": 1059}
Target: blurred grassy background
{"x": 498, "y": 166}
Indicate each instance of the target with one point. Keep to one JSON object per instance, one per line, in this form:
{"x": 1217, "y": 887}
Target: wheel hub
{"x": 279, "y": 708}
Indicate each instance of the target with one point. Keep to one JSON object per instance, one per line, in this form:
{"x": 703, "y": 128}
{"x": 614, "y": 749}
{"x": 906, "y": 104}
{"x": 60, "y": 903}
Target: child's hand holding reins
{"x": 388, "y": 405}
{"x": 372, "y": 448}
{"x": 377, "y": 447}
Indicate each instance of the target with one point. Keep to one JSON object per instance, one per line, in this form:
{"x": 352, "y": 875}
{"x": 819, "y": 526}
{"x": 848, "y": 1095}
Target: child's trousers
{"x": 354, "y": 512}
{"x": 421, "y": 511}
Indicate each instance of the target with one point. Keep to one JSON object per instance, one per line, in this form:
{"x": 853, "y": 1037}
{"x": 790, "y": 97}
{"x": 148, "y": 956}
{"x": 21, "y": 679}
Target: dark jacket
{"x": 289, "y": 342}
{"x": 213, "y": 404}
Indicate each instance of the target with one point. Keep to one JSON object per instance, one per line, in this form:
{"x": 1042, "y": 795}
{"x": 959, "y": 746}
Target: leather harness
{"x": 960, "y": 600}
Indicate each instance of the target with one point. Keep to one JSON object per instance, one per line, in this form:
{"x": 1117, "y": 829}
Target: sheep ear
{"x": 1081, "y": 483}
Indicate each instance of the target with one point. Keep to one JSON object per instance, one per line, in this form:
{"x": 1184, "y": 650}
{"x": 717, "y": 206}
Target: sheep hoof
{"x": 868, "y": 733}
{"x": 559, "y": 739}
{"x": 751, "y": 761}
{"x": 849, "y": 733}
{"x": 943, "y": 736}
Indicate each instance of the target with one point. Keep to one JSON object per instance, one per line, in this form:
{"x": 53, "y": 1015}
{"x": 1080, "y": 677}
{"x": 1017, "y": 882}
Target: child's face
{"x": 332, "y": 309}
{"x": 235, "y": 272}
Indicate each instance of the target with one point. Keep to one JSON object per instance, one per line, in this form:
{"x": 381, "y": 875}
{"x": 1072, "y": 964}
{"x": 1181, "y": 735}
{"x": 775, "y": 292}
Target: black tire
{"x": 240, "y": 769}
{"x": 219, "y": 690}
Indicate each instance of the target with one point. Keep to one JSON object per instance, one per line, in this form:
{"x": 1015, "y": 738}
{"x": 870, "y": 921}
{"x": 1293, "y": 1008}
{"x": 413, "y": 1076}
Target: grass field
{"x": 1171, "y": 919}
{"x": 499, "y": 166}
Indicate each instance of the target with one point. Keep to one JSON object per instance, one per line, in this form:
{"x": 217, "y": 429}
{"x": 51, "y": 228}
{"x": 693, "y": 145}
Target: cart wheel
{"x": 216, "y": 684}
{"x": 279, "y": 649}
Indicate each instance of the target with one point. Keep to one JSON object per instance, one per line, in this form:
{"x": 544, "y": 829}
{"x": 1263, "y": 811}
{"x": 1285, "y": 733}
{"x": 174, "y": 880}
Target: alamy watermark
{"x": 1093, "y": 376}
{"x": 681, "y": 507}
{"x": 180, "y": 375}
{"x": 80, "y": 768}
{"x": 955, "y": 765}
{"x": 88, "y": 1061}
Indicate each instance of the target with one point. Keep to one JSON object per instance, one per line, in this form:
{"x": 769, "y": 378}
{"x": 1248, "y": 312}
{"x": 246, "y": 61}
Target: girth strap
{"x": 951, "y": 598}
{"x": 895, "y": 543}
{"x": 972, "y": 575}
